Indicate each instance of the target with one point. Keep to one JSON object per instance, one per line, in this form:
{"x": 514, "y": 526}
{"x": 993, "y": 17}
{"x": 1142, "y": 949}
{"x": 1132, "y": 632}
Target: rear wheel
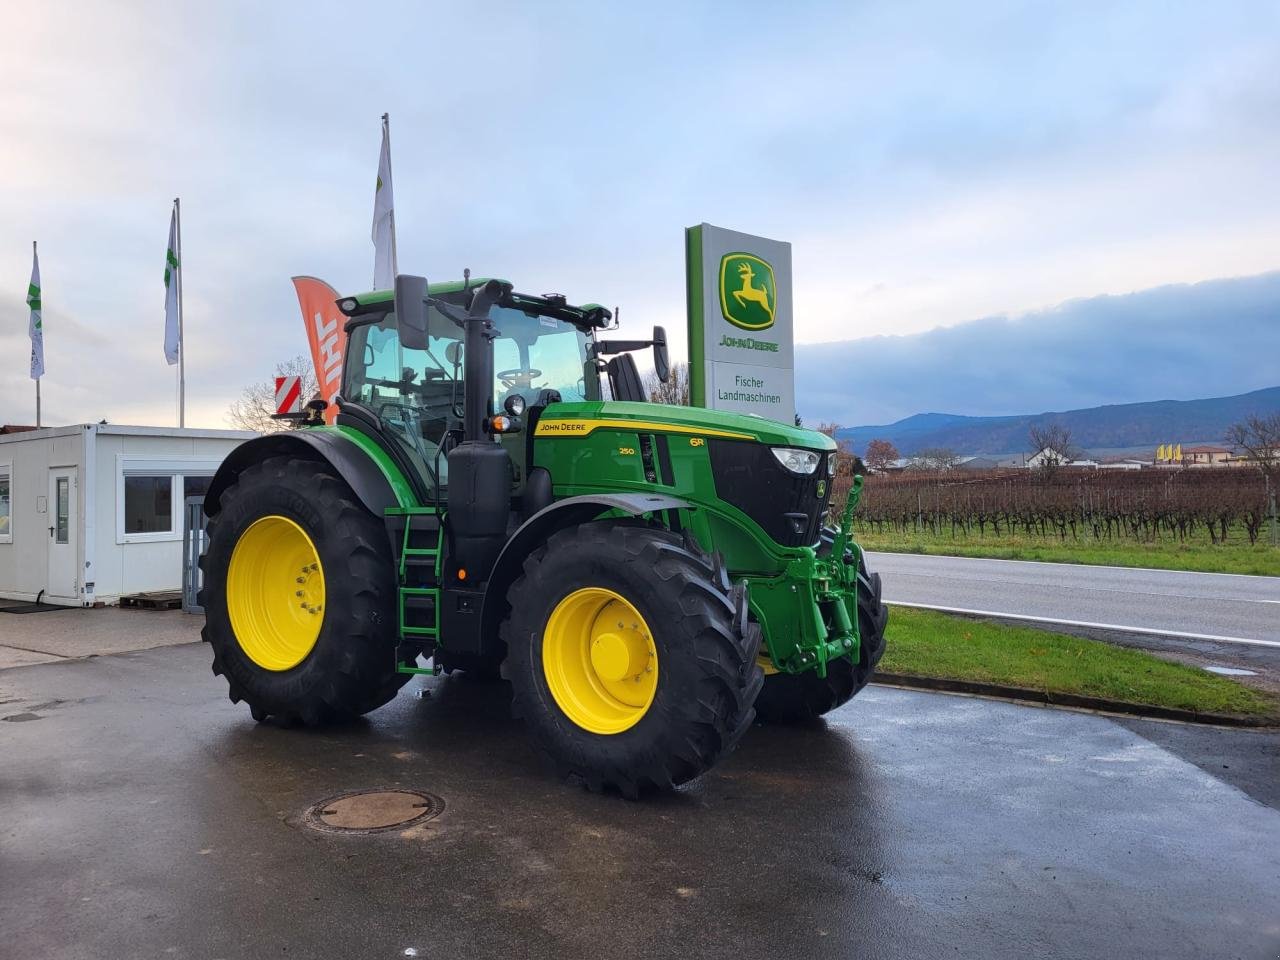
{"x": 299, "y": 595}
{"x": 800, "y": 697}
{"x": 630, "y": 656}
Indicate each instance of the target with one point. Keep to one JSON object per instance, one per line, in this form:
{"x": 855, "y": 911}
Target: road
{"x": 146, "y": 816}
{"x": 1221, "y": 608}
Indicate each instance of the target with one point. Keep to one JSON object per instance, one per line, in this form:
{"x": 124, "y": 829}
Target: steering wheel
{"x": 518, "y": 377}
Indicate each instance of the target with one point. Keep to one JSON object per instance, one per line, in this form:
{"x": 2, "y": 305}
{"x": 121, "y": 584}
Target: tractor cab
{"x": 410, "y": 386}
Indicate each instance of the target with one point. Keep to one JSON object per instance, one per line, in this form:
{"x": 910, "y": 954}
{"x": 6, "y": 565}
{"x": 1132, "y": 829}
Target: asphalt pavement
{"x": 1221, "y": 607}
{"x": 146, "y": 816}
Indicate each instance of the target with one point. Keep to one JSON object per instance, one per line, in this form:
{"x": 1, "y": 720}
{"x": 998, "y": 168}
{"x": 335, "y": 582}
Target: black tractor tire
{"x": 803, "y": 697}
{"x": 708, "y": 677}
{"x": 351, "y": 669}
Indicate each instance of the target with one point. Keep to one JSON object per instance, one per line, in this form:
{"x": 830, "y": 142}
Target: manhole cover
{"x": 371, "y": 811}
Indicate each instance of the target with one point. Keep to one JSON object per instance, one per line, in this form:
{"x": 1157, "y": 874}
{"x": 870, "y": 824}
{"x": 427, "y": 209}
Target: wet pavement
{"x": 145, "y": 816}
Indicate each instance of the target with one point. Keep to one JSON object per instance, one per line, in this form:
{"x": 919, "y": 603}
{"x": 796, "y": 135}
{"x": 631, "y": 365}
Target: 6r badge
{"x": 748, "y": 294}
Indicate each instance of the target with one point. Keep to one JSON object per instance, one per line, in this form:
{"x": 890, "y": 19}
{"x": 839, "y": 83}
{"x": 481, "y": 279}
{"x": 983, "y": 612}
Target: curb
{"x": 1068, "y": 700}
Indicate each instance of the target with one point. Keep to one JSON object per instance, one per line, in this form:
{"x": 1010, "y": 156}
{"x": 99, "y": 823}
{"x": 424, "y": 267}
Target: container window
{"x": 148, "y": 504}
{"x": 6, "y": 510}
{"x": 63, "y": 506}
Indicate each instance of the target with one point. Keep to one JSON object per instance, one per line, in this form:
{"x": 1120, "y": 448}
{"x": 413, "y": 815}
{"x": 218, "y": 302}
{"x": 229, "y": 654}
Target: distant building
{"x": 1048, "y": 457}
{"x": 1123, "y": 463}
{"x": 1206, "y": 456}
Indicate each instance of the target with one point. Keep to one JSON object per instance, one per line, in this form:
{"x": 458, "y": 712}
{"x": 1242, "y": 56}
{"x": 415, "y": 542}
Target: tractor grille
{"x": 788, "y": 508}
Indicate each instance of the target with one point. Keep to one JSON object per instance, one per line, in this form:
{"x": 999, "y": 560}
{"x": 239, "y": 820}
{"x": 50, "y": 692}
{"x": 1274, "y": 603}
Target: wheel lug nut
{"x": 297, "y": 593}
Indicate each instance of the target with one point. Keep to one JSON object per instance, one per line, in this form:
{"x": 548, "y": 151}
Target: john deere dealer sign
{"x": 740, "y": 330}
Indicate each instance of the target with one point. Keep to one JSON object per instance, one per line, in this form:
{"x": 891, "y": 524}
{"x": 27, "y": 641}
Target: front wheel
{"x": 630, "y": 656}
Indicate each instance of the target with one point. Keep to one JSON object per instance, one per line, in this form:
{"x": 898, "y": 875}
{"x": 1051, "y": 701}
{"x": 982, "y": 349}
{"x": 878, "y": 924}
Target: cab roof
{"x": 552, "y": 305}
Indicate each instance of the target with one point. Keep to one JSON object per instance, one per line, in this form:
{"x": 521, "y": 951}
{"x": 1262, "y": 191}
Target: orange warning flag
{"x": 324, "y": 323}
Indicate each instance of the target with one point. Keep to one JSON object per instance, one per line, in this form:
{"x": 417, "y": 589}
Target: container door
{"x": 63, "y": 581}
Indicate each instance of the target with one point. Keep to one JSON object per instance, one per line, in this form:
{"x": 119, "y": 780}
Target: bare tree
{"x": 258, "y": 400}
{"x": 674, "y": 391}
{"x": 831, "y": 430}
{"x": 881, "y": 454}
{"x": 1054, "y": 443}
{"x": 934, "y": 458}
{"x": 1258, "y": 438}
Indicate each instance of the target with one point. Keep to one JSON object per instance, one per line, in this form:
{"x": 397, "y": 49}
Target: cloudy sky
{"x": 932, "y": 164}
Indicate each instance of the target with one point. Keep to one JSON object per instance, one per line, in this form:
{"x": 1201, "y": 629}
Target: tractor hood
{"x": 576, "y": 419}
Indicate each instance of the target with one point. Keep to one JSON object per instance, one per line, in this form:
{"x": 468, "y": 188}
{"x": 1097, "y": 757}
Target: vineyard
{"x": 1139, "y": 506}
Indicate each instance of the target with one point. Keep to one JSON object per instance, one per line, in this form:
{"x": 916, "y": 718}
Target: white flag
{"x": 35, "y": 327}
{"x": 384, "y": 218}
{"x": 172, "y": 338}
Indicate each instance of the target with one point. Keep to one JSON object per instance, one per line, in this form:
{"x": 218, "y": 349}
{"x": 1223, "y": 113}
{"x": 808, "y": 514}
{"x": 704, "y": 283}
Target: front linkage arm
{"x": 810, "y": 612}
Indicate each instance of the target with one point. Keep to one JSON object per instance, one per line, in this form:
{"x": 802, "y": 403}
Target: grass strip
{"x": 924, "y": 643}
{"x": 1259, "y": 559}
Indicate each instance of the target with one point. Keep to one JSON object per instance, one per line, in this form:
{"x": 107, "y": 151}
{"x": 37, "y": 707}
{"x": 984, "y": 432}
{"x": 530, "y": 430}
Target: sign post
{"x": 741, "y": 334}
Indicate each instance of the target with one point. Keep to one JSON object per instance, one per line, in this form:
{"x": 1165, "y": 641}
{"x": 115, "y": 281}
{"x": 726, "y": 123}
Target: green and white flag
{"x": 172, "y": 335}
{"x": 384, "y": 217}
{"x": 35, "y": 328}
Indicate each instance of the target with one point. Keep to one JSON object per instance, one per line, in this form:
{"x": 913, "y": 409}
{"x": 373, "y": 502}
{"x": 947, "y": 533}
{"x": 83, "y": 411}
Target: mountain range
{"x": 1182, "y": 341}
{"x": 1112, "y": 427}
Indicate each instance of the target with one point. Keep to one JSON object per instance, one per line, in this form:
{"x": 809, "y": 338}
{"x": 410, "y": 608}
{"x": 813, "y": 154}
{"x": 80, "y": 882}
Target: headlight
{"x": 803, "y": 462}
{"x": 831, "y": 463}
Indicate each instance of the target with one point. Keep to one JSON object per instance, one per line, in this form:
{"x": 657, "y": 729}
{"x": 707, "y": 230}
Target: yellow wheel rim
{"x": 275, "y": 593}
{"x": 600, "y": 660}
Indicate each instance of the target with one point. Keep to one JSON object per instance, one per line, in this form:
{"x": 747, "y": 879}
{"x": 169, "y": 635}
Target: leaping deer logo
{"x": 749, "y": 293}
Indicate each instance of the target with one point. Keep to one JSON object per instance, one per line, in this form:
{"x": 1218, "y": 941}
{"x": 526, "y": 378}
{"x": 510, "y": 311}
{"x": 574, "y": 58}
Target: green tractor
{"x": 648, "y": 578}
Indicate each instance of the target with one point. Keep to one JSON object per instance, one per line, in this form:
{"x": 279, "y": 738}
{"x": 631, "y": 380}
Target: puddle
{"x": 1231, "y": 671}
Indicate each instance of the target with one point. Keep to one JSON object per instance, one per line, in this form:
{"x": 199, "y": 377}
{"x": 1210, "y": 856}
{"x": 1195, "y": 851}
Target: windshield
{"x": 417, "y": 395}
{"x": 534, "y": 352}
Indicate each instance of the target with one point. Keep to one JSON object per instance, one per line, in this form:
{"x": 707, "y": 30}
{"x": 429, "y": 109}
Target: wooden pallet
{"x": 156, "y": 600}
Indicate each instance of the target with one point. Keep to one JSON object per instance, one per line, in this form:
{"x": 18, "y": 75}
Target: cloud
{"x": 1177, "y": 342}
{"x": 928, "y": 161}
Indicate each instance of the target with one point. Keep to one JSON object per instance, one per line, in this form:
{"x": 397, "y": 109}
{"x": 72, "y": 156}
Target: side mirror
{"x": 453, "y": 352}
{"x": 661, "y": 361}
{"x": 411, "y": 310}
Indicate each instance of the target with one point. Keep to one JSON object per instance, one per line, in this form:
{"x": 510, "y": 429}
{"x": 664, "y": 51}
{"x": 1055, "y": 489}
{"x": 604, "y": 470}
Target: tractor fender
{"x": 563, "y": 513}
{"x": 356, "y": 467}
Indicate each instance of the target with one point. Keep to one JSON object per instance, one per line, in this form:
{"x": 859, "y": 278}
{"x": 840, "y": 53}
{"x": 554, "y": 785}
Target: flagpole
{"x": 182, "y": 345}
{"x": 395, "y": 263}
{"x": 34, "y": 254}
